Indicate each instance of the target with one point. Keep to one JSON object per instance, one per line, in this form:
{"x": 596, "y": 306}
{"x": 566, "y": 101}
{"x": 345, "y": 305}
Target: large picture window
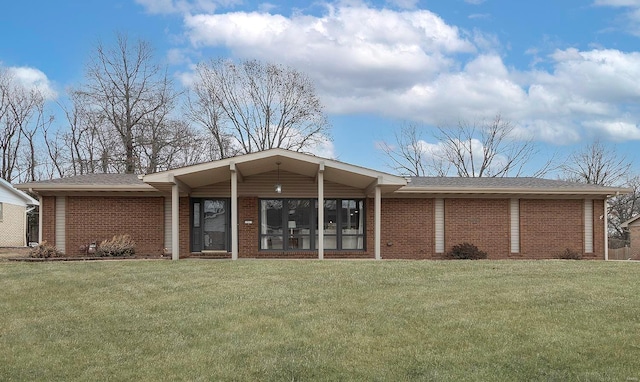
{"x": 291, "y": 224}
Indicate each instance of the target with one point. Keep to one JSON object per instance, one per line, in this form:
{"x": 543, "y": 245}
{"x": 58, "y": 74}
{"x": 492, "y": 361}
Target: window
{"x": 291, "y": 224}
{"x": 343, "y": 224}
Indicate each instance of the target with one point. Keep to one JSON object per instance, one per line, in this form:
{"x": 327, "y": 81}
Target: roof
{"x": 89, "y": 182}
{"x": 308, "y": 165}
{"x": 505, "y": 185}
{"x": 14, "y": 196}
{"x": 630, "y": 222}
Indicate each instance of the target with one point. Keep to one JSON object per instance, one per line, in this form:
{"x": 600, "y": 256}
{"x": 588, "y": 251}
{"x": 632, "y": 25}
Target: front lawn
{"x": 320, "y": 320}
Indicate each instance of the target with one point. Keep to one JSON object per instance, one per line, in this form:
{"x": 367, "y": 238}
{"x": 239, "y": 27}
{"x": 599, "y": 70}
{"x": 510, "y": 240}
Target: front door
{"x": 210, "y": 225}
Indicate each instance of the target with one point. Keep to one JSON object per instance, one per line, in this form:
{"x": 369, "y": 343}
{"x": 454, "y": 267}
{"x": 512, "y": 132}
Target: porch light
{"x": 278, "y": 186}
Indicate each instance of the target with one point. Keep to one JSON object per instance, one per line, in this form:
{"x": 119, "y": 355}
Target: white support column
{"x": 234, "y": 212}
{"x": 40, "y": 220}
{"x": 377, "y": 222}
{"x": 321, "y": 211}
{"x": 175, "y": 222}
{"x": 606, "y": 229}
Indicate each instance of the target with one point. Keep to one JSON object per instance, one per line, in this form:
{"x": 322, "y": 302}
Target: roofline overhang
{"x": 609, "y": 192}
{"x": 85, "y": 187}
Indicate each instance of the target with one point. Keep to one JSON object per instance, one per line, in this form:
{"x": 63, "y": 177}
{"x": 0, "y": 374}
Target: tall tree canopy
{"x": 254, "y": 106}
{"x": 131, "y": 98}
{"x": 486, "y": 148}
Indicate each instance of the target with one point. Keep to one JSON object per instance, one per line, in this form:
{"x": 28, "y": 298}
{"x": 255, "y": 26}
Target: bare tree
{"x": 133, "y": 94}
{"x": 18, "y": 106}
{"x": 623, "y": 208}
{"x": 253, "y": 106}
{"x": 601, "y": 164}
{"x": 410, "y": 154}
{"x": 596, "y": 163}
{"x": 478, "y": 149}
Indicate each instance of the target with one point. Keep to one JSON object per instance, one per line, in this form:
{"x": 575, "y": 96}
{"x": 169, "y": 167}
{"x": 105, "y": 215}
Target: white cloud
{"x": 32, "y": 78}
{"x": 413, "y": 66}
{"x": 631, "y": 15}
{"x": 615, "y": 130}
{"x": 349, "y": 47}
{"x": 617, "y": 3}
{"x": 324, "y": 149}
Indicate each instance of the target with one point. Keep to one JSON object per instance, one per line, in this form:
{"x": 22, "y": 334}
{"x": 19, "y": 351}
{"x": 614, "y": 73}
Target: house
{"x": 633, "y": 226}
{"x": 265, "y": 205}
{"x": 14, "y": 205}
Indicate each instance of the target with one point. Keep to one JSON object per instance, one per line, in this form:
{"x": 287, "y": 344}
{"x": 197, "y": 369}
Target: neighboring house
{"x": 633, "y": 226}
{"x": 264, "y": 205}
{"x": 14, "y": 205}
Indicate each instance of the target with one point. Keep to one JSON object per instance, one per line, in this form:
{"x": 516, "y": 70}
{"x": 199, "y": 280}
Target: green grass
{"x": 313, "y": 320}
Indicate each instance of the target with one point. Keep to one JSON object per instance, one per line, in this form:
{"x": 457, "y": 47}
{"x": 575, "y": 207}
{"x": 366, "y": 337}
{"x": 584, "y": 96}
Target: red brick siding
{"x": 548, "y": 227}
{"x": 484, "y": 223}
{"x": 184, "y": 236}
{"x": 407, "y": 228}
{"x": 90, "y": 219}
{"x": 634, "y": 236}
{"x": 48, "y": 216}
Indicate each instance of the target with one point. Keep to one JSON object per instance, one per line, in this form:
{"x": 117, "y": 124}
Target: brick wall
{"x": 484, "y": 223}
{"x": 93, "y": 218}
{"x": 407, "y": 228}
{"x": 548, "y": 227}
{"x": 12, "y": 226}
{"x": 634, "y": 236}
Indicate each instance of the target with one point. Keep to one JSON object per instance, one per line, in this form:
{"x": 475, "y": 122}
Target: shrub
{"x": 45, "y": 251}
{"x": 118, "y": 246}
{"x": 466, "y": 251}
{"x": 569, "y": 254}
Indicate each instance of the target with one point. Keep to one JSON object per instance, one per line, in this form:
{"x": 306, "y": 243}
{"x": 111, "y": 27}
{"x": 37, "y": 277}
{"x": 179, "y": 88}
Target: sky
{"x": 565, "y": 73}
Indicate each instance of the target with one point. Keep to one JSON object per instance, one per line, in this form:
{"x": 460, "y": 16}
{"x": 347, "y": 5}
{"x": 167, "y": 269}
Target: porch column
{"x": 40, "y": 219}
{"x": 606, "y": 229}
{"x": 175, "y": 219}
{"x": 234, "y": 212}
{"x": 377, "y": 220}
{"x": 321, "y": 211}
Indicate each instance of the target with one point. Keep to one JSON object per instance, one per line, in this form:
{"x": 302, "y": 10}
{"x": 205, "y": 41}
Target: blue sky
{"x": 565, "y": 72}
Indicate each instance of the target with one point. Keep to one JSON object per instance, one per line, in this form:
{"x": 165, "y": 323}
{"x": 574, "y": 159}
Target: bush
{"x": 118, "y": 246}
{"x": 466, "y": 251}
{"x": 569, "y": 254}
{"x": 45, "y": 251}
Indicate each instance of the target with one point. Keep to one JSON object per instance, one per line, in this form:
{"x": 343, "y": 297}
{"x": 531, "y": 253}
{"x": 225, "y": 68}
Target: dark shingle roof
{"x": 94, "y": 179}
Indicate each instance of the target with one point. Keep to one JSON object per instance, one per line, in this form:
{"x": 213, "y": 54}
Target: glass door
{"x": 210, "y": 225}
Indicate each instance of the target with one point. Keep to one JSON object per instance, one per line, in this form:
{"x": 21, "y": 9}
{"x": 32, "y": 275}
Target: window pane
{"x": 196, "y": 215}
{"x": 215, "y": 224}
{"x": 352, "y": 242}
{"x": 330, "y": 217}
{"x": 352, "y": 217}
{"x": 330, "y": 242}
{"x": 272, "y": 242}
{"x": 271, "y": 216}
